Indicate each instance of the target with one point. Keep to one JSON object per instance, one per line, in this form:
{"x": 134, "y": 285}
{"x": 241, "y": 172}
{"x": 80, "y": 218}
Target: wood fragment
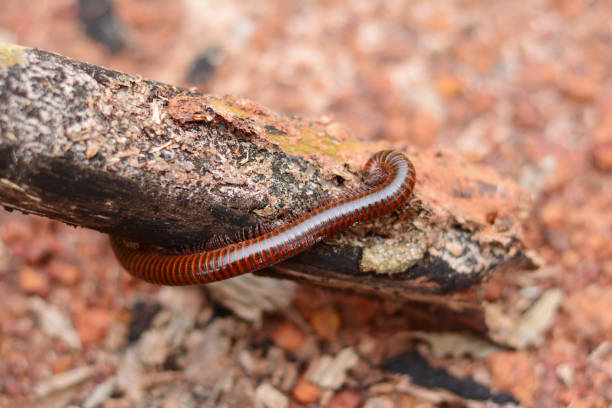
{"x": 330, "y": 372}
{"x": 54, "y": 323}
{"x": 63, "y": 380}
{"x": 250, "y": 296}
{"x": 165, "y": 166}
{"x": 101, "y": 393}
{"x": 269, "y": 397}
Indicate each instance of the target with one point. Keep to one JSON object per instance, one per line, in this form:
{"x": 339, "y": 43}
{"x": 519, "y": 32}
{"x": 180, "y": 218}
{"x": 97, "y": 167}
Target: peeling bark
{"x": 162, "y": 165}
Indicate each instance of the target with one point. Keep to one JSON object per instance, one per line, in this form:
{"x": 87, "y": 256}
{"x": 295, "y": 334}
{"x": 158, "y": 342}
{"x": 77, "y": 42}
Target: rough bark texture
{"x": 161, "y": 165}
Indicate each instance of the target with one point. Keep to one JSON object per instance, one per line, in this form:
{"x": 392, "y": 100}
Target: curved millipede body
{"x": 390, "y": 191}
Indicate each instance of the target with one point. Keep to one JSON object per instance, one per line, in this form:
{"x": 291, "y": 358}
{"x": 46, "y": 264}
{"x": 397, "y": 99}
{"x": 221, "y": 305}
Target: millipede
{"x": 390, "y": 178}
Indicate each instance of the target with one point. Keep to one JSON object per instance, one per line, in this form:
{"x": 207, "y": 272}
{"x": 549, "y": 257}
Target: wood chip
{"x": 91, "y": 151}
{"x": 62, "y": 381}
{"x": 269, "y": 397}
{"x": 530, "y": 328}
{"x": 129, "y": 375}
{"x": 207, "y": 355}
{"x": 54, "y": 323}
{"x": 330, "y": 372}
{"x": 126, "y": 153}
{"x": 249, "y": 296}
{"x": 101, "y": 393}
{"x": 379, "y": 402}
{"x": 160, "y": 147}
{"x": 457, "y": 345}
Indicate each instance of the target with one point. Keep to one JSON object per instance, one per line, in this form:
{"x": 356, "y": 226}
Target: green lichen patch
{"x": 233, "y": 109}
{"x": 312, "y": 142}
{"x": 10, "y": 54}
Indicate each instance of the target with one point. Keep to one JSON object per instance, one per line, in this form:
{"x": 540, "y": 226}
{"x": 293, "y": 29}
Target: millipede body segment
{"x": 390, "y": 191}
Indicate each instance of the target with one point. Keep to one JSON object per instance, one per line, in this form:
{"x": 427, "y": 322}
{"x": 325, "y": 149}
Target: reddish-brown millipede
{"x": 390, "y": 191}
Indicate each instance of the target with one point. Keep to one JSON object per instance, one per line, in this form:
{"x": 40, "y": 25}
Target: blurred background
{"x": 522, "y": 86}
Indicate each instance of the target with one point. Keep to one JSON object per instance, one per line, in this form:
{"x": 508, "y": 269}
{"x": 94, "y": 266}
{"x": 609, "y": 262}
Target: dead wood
{"x": 159, "y": 164}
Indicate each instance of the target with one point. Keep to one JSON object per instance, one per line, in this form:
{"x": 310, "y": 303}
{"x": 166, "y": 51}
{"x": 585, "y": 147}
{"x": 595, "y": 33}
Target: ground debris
{"x": 63, "y": 380}
{"x": 101, "y": 393}
{"x": 528, "y": 329}
{"x": 379, "y": 402}
{"x": 54, "y": 323}
{"x": 330, "y": 372}
{"x": 250, "y": 296}
{"x": 469, "y": 78}
{"x": 130, "y": 376}
{"x": 207, "y": 359}
{"x": 269, "y": 397}
{"x": 456, "y": 344}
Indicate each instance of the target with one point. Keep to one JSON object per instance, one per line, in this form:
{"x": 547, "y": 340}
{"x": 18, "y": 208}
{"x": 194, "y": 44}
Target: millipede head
{"x": 374, "y": 176}
{"x": 217, "y": 241}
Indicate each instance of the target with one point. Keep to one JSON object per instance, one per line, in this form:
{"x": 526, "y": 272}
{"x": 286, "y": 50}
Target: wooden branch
{"x": 166, "y": 166}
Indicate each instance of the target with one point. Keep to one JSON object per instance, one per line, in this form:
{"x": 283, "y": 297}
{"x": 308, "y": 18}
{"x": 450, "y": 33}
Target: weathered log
{"x": 167, "y": 166}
